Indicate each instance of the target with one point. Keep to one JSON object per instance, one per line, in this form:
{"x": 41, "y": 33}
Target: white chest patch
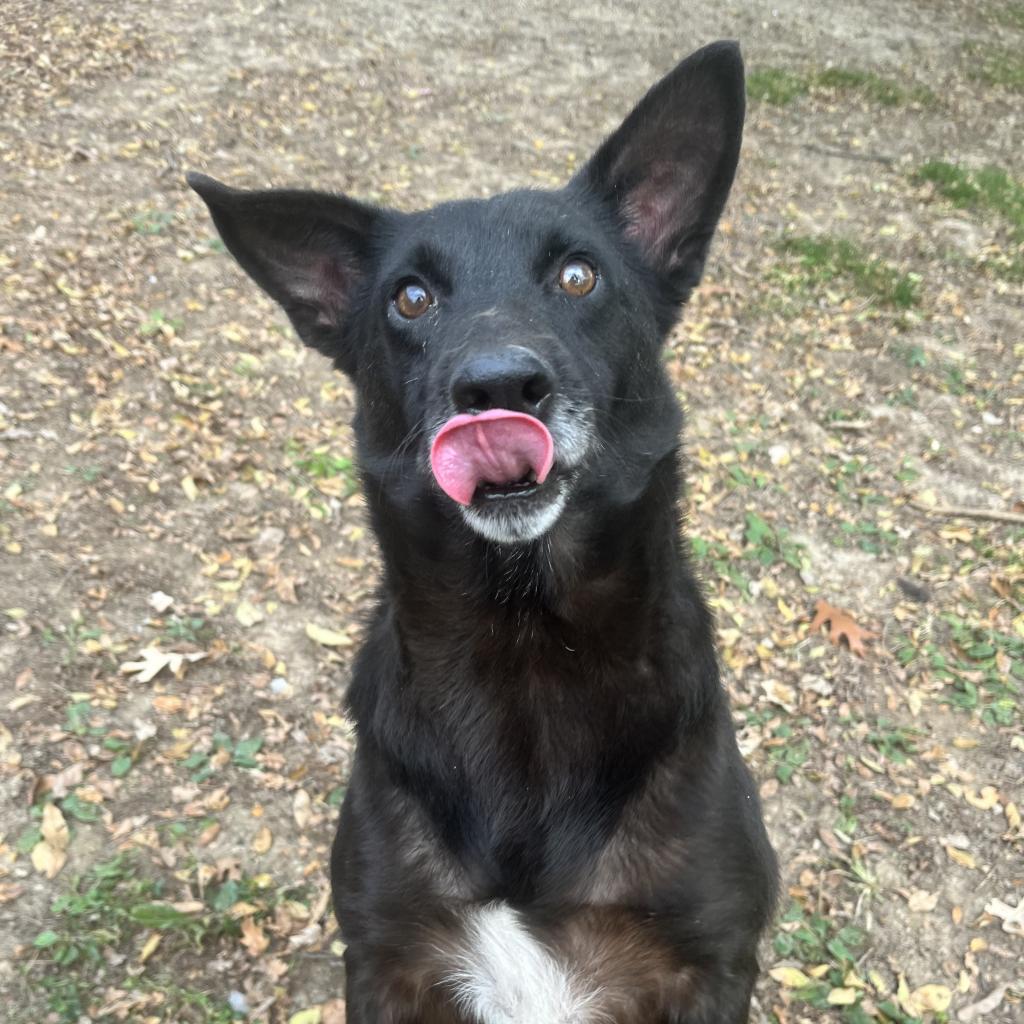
{"x": 503, "y": 975}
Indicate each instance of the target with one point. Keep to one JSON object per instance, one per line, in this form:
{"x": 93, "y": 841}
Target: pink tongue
{"x": 494, "y": 447}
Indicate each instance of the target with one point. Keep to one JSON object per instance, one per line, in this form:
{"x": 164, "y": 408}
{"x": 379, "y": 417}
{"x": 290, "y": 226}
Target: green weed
{"x": 770, "y": 545}
{"x": 111, "y": 909}
{"x": 780, "y": 87}
{"x": 787, "y": 752}
{"x": 775, "y": 86}
{"x": 895, "y": 742}
{"x": 994, "y": 65}
{"x": 152, "y": 222}
{"x": 825, "y": 260}
{"x": 990, "y": 189}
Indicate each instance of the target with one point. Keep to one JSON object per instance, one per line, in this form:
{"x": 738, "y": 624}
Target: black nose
{"x": 510, "y": 378}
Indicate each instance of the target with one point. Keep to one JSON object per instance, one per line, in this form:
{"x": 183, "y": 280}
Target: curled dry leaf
{"x": 1012, "y": 917}
{"x": 253, "y": 937}
{"x": 301, "y": 809}
{"x": 54, "y": 828}
{"x": 842, "y": 626}
{"x": 328, "y": 637}
{"x": 48, "y": 860}
{"x": 931, "y": 999}
{"x": 922, "y": 902}
{"x": 153, "y": 661}
{"x": 263, "y": 840}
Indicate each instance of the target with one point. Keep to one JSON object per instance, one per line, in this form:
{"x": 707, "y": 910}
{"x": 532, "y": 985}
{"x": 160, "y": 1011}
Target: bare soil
{"x": 161, "y": 430}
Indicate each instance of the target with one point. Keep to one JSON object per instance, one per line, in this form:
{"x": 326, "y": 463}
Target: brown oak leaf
{"x": 842, "y": 626}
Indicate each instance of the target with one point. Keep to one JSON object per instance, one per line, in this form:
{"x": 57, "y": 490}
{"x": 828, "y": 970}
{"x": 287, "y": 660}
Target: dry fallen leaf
{"x": 842, "y": 626}
{"x": 328, "y": 637}
{"x": 150, "y": 947}
{"x": 789, "y": 977}
{"x": 842, "y": 997}
{"x": 263, "y": 840}
{"x": 922, "y": 902}
{"x": 931, "y": 999}
{"x": 48, "y": 860}
{"x": 248, "y": 614}
{"x": 153, "y": 660}
{"x": 301, "y": 808}
{"x": 333, "y": 1012}
{"x": 54, "y": 828}
{"x": 961, "y": 857}
{"x": 253, "y": 938}
{"x": 1012, "y": 917}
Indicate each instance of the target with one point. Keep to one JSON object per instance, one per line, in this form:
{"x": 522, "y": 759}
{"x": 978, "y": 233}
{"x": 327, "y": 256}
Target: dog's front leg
{"x": 723, "y": 995}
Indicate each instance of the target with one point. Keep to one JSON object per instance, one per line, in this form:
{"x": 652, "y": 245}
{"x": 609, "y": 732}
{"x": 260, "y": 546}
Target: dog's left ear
{"x": 668, "y": 169}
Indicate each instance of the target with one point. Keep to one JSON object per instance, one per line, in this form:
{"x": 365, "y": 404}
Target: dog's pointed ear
{"x": 667, "y": 170}
{"x": 309, "y": 251}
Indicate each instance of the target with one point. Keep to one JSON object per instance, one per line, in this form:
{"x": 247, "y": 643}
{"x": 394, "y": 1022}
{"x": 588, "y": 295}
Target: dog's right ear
{"x": 307, "y": 250}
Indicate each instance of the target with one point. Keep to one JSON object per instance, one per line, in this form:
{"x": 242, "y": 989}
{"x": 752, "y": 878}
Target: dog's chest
{"x": 593, "y": 966}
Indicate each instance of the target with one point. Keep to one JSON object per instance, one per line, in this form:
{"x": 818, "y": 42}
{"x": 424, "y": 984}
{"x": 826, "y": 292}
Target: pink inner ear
{"x": 659, "y": 209}
{"x": 320, "y": 281}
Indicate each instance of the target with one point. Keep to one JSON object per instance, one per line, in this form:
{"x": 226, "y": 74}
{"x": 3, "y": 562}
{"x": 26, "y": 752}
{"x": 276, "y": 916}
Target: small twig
{"x": 850, "y": 424}
{"x": 970, "y": 513}
{"x": 845, "y": 154}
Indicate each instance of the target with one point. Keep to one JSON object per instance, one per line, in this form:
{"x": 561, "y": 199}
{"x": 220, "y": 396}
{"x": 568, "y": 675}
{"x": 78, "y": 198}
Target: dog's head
{"x": 507, "y": 352}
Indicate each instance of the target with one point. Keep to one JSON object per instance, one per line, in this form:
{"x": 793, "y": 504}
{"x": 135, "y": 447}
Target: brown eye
{"x": 577, "y": 278}
{"x": 413, "y": 300}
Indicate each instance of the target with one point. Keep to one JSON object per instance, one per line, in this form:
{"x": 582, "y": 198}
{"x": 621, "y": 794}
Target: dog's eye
{"x": 412, "y": 300}
{"x": 577, "y": 278}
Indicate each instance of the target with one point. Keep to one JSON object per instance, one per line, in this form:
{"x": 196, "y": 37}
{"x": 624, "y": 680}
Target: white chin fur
{"x": 514, "y": 525}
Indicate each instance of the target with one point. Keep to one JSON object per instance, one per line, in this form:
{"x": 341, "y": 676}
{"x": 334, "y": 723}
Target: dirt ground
{"x": 184, "y": 564}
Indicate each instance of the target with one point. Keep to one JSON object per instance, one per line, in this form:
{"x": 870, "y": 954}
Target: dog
{"x": 548, "y": 819}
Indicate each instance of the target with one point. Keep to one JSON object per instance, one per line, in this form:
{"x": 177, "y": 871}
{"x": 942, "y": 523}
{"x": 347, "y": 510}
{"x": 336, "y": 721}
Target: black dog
{"x": 548, "y": 820}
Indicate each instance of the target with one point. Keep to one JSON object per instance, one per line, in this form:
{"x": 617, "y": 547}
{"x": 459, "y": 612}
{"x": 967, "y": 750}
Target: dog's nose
{"x": 511, "y": 378}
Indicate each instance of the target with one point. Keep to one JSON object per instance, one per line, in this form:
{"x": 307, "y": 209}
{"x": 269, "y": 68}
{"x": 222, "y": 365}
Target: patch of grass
{"x": 322, "y": 465}
{"x": 780, "y": 87}
{"x": 192, "y": 629}
{"x": 775, "y": 86}
{"x": 159, "y": 323}
{"x": 69, "y": 637}
{"x": 867, "y": 536}
{"x": 831, "y": 952}
{"x": 787, "y": 751}
{"x": 113, "y": 909}
{"x": 240, "y": 753}
{"x": 996, "y": 65}
{"x": 846, "y": 821}
{"x": 152, "y": 222}
{"x": 771, "y": 545}
{"x": 874, "y": 88}
{"x": 989, "y": 189}
{"x": 825, "y": 260}
{"x": 894, "y": 742}
{"x": 714, "y": 555}
{"x": 985, "y": 673}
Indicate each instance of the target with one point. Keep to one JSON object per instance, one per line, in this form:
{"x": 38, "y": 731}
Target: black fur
{"x": 522, "y": 706}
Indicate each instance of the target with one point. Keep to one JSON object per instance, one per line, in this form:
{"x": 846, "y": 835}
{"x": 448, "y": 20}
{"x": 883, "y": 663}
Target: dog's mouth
{"x": 493, "y": 456}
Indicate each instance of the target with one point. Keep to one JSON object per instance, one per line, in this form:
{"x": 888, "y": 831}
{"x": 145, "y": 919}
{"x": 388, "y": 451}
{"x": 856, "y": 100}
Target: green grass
{"x": 152, "y": 222}
{"x": 111, "y": 911}
{"x": 874, "y": 88}
{"x": 990, "y": 189}
{"x": 893, "y": 741}
{"x": 775, "y": 86}
{"x": 825, "y": 260}
{"x": 787, "y": 752}
{"x": 994, "y": 65}
{"x": 780, "y": 87}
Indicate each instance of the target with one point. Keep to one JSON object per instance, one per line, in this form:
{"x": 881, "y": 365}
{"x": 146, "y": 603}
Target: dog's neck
{"x": 595, "y": 575}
